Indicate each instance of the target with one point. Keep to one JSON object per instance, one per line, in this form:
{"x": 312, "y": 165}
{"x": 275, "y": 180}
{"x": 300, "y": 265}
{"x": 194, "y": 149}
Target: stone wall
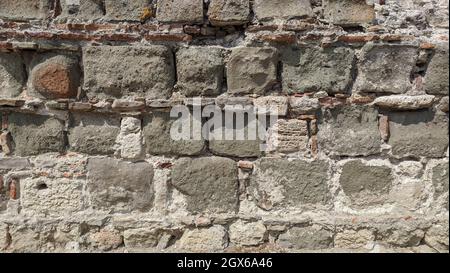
{"x": 87, "y": 163}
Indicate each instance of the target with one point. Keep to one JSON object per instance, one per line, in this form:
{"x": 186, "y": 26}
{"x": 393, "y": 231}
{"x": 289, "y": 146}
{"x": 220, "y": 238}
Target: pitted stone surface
{"x": 24, "y": 9}
{"x": 108, "y": 190}
{"x": 82, "y": 9}
{"x": 209, "y": 183}
{"x": 120, "y": 71}
{"x": 437, "y": 75}
{"x": 229, "y": 12}
{"x": 12, "y": 75}
{"x": 180, "y": 11}
{"x": 282, "y": 9}
{"x": 348, "y": 12}
{"x": 126, "y": 10}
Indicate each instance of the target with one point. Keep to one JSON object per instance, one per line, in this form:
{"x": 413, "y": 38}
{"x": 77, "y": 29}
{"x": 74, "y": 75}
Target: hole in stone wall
{"x": 42, "y": 186}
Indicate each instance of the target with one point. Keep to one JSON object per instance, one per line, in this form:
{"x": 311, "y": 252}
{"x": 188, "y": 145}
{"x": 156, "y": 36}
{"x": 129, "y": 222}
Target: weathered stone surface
{"x": 12, "y": 75}
{"x": 443, "y": 104}
{"x": 55, "y": 76}
{"x": 303, "y": 105}
{"x": 418, "y": 134}
{"x": 105, "y": 240}
{"x": 157, "y": 136}
{"x": 348, "y": 12}
{"x": 141, "y": 237}
{"x": 386, "y": 68}
{"x": 365, "y": 184}
{"x": 200, "y": 71}
{"x": 126, "y": 10}
{"x": 123, "y": 71}
{"x": 24, "y": 9}
{"x": 108, "y": 190}
{"x": 271, "y": 105}
{"x": 82, "y": 9}
{"x": 282, "y": 9}
{"x": 349, "y": 131}
{"x": 313, "y": 237}
{"x": 317, "y": 69}
{"x": 180, "y": 11}
{"x": 200, "y": 240}
{"x": 283, "y": 182}
{"x": 51, "y": 196}
{"x": 209, "y": 183}
{"x": 4, "y": 240}
{"x": 14, "y": 163}
{"x": 252, "y": 70}
{"x": 437, "y": 237}
{"x": 353, "y": 239}
{"x": 288, "y": 136}
{"x": 440, "y": 179}
{"x": 437, "y": 75}
{"x": 404, "y": 103}
{"x": 93, "y": 134}
{"x": 34, "y": 134}
{"x": 229, "y": 12}
{"x": 130, "y": 139}
{"x": 247, "y": 234}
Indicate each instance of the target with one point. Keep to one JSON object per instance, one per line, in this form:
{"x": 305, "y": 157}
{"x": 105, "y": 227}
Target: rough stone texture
{"x": 310, "y": 238}
{"x": 317, "y": 69}
{"x": 180, "y": 11}
{"x": 55, "y": 77}
{"x": 108, "y": 191}
{"x": 348, "y": 12}
{"x": 12, "y": 75}
{"x": 251, "y": 70}
{"x": 140, "y": 238}
{"x": 353, "y": 239}
{"x": 247, "y": 234}
{"x": 199, "y": 240}
{"x": 437, "y": 237}
{"x": 209, "y": 183}
{"x": 228, "y": 12}
{"x": 34, "y": 134}
{"x": 271, "y": 105}
{"x": 121, "y": 71}
{"x": 282, "y": 9}
{"x": 303, "y": 105}
{"x": 158, "y": 140}
{"x": 130, "y": 139}
{"x": 24, "y": 9}
{"x": 126, "y": 10}
{"x": 282, "y": 182}
{"x": 51, "y": 196}
{"x": 288, "y": 136}
{"x": 200, "y": 71}
{"x": 349, "y": 131}
{"x": 440, "y": 180}
{"x": 404, "y": 103}
{"x": 386, "y": 68}
{"x": 92, "y": 133}
{"x": 437, "y": 75}
{"x": 82, "y": 9}
{"x": 364, "y": 184}
{"x": 418, "y": 134}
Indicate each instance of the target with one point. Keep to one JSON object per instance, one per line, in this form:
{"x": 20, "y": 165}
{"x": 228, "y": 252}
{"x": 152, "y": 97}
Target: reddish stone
{"x": 383, "y": 125}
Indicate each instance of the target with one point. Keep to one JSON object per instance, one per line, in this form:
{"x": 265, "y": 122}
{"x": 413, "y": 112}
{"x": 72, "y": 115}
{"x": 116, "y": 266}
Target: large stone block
{"x": 93, "y": 134}
{"x": 417, "y": 134}
{"x": 229, "y": 12}
{"x": 349, "y": 131}
{"x": 210, "y": 239}
{"x": 24, "y": 9}
{"x": 348, "y": 12}
{"x": 34, "y": 134}
{"x": 12, "y": 75}
{"x": 180, "y": 11}
{"x": 281, "y": 182}
{"x": 122, "y": 10}
{"x": 124, "y": 71}
{"x": 313, "y": 237}
{"x": 120, "y": 186}
{"x": 365, "y": 184}
{"x": 51, "y": 196}
{"x": 54, "y": 76}
{"x": 82, "y": 9}
{"x": 157, "y": 135}
{"x": 386, "y": 68}
{"x": 282, "y": 9}
{"x": 317, "y": 69}
{"x": 247, "y": 234}
{"x": 200, "y": 71}
{"x": 437, "y": 76}
{"x": 210, "y": 184}
{"x": 252, "y": 70}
